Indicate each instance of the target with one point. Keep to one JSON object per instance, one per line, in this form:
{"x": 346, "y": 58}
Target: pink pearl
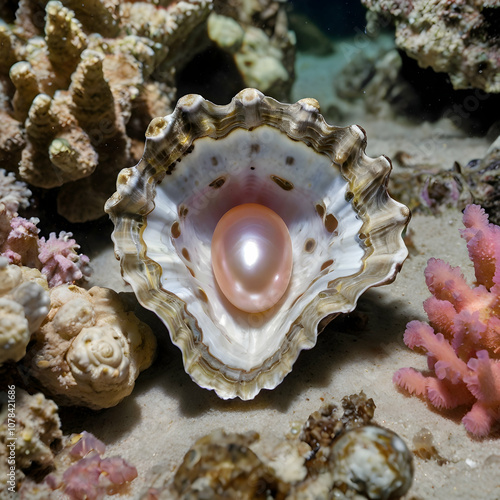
{"x": 252, "y": 257}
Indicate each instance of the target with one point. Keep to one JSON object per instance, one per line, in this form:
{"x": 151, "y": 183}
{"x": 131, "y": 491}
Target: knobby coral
{"x": 24, "y": 304}
{"x": 462, "y": 339}
{"x": 90, "y": 349}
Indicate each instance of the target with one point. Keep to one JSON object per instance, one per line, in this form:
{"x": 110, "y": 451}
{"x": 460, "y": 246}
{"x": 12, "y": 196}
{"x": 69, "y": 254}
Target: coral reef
{"x": 82, "y": 89}
{"x": 322, "y": 461}
{"x": 37, "y": 435}
{"x": 90, "y": 349}
{"x": 24, "y": 304}
{"x": 458, "y": 38}
{"x": 462, "y": 339}
{"x": 256, "y": 34}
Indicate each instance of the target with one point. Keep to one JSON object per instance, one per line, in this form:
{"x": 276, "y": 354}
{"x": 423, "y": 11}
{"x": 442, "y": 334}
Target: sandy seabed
{"x": 167, "y": 412}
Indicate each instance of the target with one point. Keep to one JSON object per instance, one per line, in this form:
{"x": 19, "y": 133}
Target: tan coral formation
{"x": 458, "y": 38}
{"x": 81, "y": 89}
{"x": 24, "y": 303}
{"x": 256, "y": 34}
{"x": 90, "y": 349}
{"x": 38, "y": 433}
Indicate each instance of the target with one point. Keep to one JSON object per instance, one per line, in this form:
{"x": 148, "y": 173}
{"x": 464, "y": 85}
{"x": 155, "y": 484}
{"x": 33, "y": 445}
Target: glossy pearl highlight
{"x": 252, "y": 257}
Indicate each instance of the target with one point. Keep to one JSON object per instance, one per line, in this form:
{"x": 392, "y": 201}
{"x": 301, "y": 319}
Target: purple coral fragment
{"x": 92, "y": 477}
{"x": 60, "y": 261}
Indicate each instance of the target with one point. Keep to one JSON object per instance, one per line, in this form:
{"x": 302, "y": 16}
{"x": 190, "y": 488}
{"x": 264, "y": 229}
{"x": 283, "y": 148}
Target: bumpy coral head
{"x": 246, "y": 225}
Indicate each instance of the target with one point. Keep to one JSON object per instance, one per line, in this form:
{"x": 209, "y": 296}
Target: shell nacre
{"x": 205, "y": 159}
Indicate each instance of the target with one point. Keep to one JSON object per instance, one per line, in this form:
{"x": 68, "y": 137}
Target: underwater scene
{"x": 250, "y": 249}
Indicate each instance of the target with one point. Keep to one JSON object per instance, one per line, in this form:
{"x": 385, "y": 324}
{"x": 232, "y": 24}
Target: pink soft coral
{"x": 60, "y": 261}
{"x": 462, "y": 339}
{"x": 92, "y": 477}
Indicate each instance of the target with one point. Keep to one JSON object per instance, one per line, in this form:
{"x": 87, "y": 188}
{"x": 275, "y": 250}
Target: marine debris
{"x": 458, "y": 38}
{"x": 323, "y": 460}
{"x": 90, "y": 349}
{"x": 428, "y": 188}
{"x": 462, "y": 339}
{"x": 344, "y": 228}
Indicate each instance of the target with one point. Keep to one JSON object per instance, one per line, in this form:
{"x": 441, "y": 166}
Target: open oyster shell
{"x": 204, "y": 159}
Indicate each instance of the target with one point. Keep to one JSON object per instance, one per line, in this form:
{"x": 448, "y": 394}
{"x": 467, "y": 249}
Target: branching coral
{"x": 82, "y": 90}
{"x": 462, "y": 339}
{"x": 90, "y": 349}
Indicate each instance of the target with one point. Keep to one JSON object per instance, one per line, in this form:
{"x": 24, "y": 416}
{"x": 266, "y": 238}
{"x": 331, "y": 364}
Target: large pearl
{"x": 252, "y": 257}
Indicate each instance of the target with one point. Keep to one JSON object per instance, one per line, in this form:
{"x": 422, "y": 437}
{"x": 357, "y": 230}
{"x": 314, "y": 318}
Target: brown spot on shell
{"x": 290, "y": 160}
{"x": 185, "y": 254}
{"x": 214, "y": 161}
{"x": 183, "y": 211}
{"x": 326, "y": 264}
{"x": 331, "y": 223}
{"x": 282, "y": 183}
{"x": 320, "y": 209}
{"x": 191, "y": 271}
{"x": 217, "y": 183}
{"x": 310, "y": 245}
{"x": 254, "y": 148}
{"x": 202, "y": 295}
{"x": 175, "y": 229}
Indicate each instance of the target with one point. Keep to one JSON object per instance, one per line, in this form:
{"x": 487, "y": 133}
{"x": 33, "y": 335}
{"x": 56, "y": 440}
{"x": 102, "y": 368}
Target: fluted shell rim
{"x": 384, "y": 221}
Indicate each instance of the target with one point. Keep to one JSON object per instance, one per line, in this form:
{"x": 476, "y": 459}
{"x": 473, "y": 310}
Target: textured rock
{"x": 458, "y": 38}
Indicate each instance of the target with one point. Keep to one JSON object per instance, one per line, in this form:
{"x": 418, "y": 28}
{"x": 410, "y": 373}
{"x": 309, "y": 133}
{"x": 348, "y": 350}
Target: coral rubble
{"x": 322, "y": 461}
{"x": 90, "y": 349}
{"x": 458, "y": 38}
{"x": 428, "y": 188}
{"x": 38, "y": 435}
{"x": 462, "y": 339}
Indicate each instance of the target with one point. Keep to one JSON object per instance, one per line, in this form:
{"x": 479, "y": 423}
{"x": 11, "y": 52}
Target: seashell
{"x": 205, "y": 159}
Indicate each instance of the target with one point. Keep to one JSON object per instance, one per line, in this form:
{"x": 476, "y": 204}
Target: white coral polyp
{"x": 100, "y": 357}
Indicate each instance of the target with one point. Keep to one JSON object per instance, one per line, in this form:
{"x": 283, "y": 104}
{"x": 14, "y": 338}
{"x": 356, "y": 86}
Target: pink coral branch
{"x": 462, "y": 342}
{"x": 483, "y": 243}
{"x": 447, "y": 364}
{"x": 447, "y": 283}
